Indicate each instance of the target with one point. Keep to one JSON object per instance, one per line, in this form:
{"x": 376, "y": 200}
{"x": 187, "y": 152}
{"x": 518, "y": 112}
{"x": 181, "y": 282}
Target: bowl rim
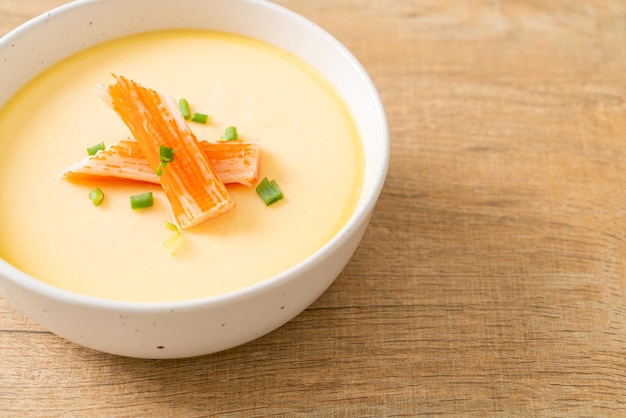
{"x": 363, "y": 210}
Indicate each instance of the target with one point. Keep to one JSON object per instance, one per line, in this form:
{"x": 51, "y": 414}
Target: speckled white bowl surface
{"x": 201, "y": 326}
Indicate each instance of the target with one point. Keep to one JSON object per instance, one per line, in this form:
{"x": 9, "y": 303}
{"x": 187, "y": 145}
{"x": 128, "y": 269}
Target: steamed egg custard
{"x": 50, "y": 229}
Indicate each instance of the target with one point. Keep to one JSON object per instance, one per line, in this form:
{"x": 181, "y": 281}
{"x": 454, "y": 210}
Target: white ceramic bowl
{"x": 203, "y": 326}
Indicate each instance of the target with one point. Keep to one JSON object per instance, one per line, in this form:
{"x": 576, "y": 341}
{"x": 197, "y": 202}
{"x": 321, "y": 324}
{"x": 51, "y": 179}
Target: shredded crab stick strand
{"x": 121, "y": 160}
{"x": 234, "y": 162}
{"x": 190, "y": 182}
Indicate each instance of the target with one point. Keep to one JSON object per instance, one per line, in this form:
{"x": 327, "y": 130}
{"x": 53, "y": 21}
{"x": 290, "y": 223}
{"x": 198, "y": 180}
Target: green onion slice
{"x": 161, "y": 168}
{"x": 230, "y": 134}
{"x": 199, "y": 117}
{"x": 269, "y": 191}
{"x": 166, "y": 154}
{"x": 96, "y": 196}
{"x": 93, "y": 150}
{"x": 171, "y": 243}
{"x": 183, "y": 104}
{"x": 142, "y": 200}
{"x": 173, "y": 240}
{"x": 171, "y": 226}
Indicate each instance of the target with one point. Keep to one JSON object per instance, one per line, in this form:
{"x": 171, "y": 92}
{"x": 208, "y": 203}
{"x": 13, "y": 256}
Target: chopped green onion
{"x": 199, "y": 117}
{"x": 183, "y": 104}
{"x": 142, "y": 200}
{"x": 96, "y": 196}
{"x": 166, "y": 154}
{"x": 269, "y": 191}
{"x": 95, "y": 148}
{"x": 173, "y": 240}
{"x": 161, "y": 168}
{"x": 171, "y": 226}
{"x": 230, "y": 134}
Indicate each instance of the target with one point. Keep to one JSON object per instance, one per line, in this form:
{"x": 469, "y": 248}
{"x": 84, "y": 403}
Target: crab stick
{"x": 190, "y": 182}
{"x": 234, "y": 162}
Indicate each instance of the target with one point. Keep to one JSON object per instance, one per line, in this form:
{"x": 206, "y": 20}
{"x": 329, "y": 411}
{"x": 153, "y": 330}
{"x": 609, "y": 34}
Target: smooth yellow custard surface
{"x": 51, "y": 230}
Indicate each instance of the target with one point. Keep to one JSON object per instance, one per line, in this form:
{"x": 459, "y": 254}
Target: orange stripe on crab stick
{"x": 190, "y": 182}
{"x": 234, "y": 162}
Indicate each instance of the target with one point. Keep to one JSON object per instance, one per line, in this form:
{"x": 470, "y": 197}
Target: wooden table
{"x": 492, "y": 280}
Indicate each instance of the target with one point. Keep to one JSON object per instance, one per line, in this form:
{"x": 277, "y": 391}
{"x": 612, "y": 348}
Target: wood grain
{"x": 491, "y": 281}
